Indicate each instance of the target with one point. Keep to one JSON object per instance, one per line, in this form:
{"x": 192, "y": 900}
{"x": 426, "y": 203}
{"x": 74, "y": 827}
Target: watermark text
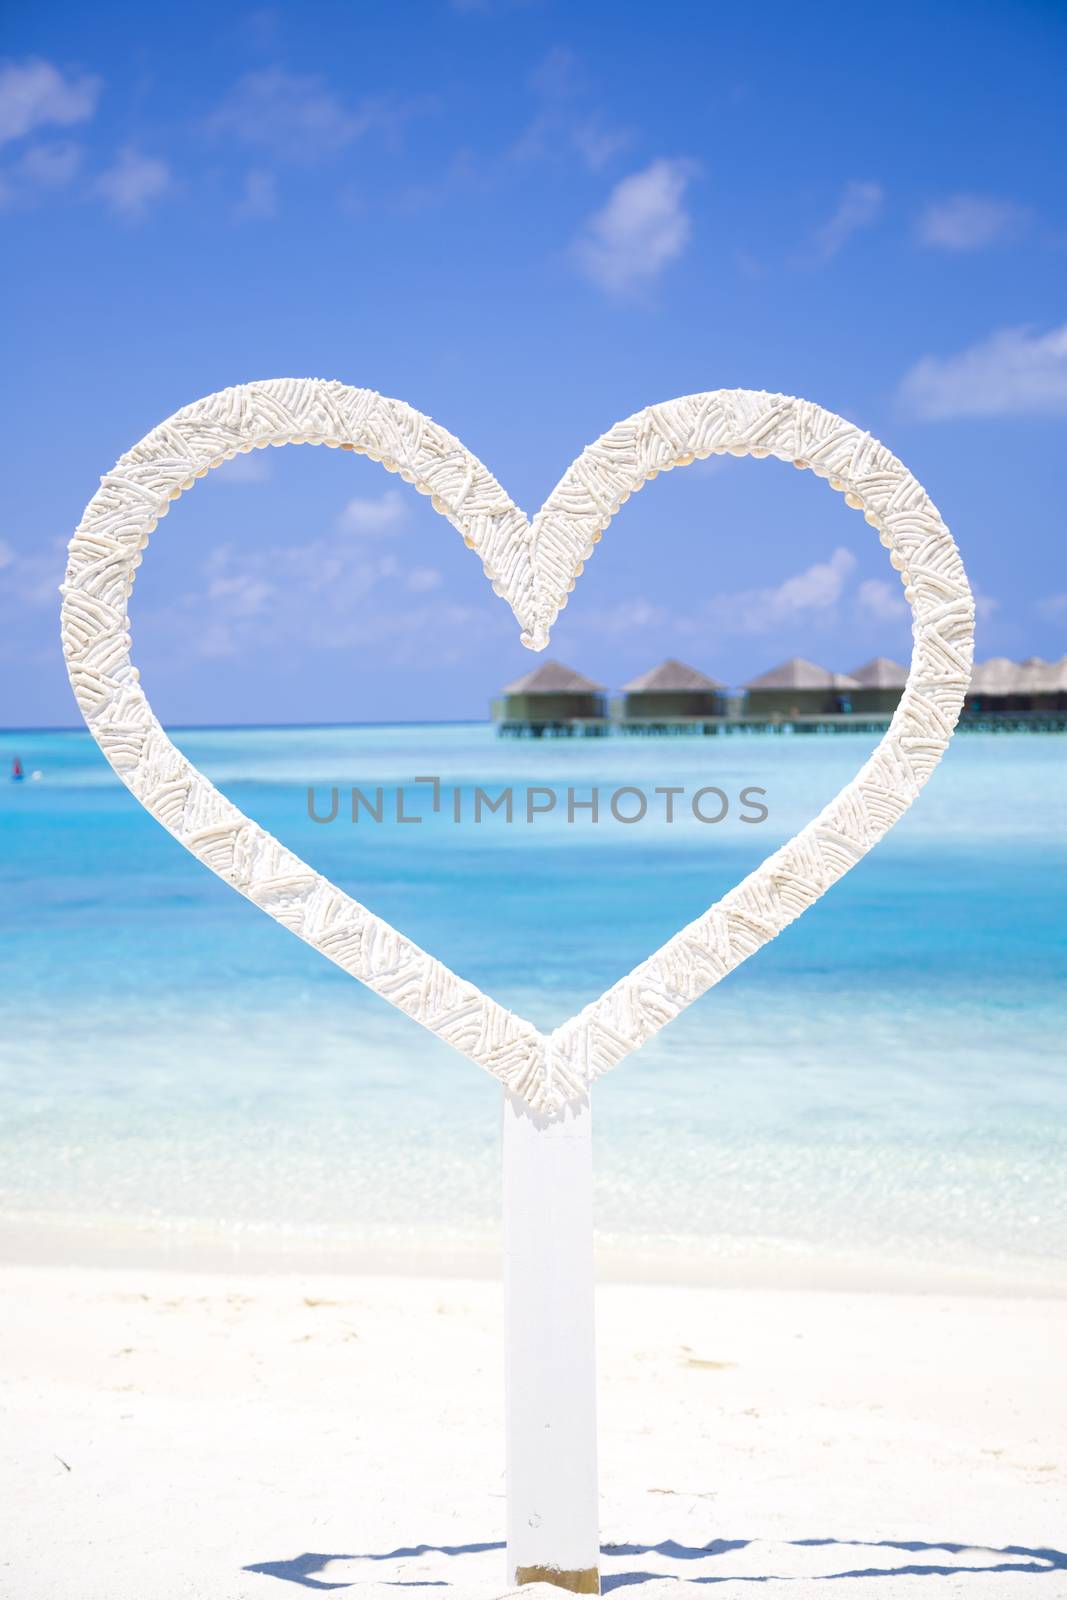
{"x": 628, "y": 804}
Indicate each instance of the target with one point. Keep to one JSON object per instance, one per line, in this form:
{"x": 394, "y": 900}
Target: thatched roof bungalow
{"x": 672, "y": 692}
{"x": 1045, "y": 683}
{"x": 551, "y": 694}
{"x": 799, "y": 688}
{"x": 1030, "y": 685}
{"x": 880, "y": 683}
{"x": 998, "y": 679}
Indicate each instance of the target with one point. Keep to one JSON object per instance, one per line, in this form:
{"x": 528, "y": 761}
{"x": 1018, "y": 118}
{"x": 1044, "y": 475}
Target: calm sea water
{"x": 887, "y": 1080}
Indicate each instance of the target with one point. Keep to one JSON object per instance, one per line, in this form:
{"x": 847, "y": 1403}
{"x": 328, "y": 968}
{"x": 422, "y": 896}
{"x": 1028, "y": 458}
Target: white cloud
{"x": 564, "y": 123}
{"x": 216, "y": 640}
{"x": 1015, "y": 372}
{"x": 326, "y": 593}
{"x": 282, "y": 593}
{"x": 809, "y": 595}
{"x": 624, "y": 617}
{"x": 860, "y": 206}
{"x": 299, "y": 119}
{"x": 51, "y": 165}
{"x": 557, "y": 76}
{"x": 135, "y": 180}
{"x": 813, "y": 596}
{"x": 259, "y": 198}
{"x": 39, "y": 169}
{"x": 375, "y": 516}
{"x": 708, "y": 467}
{"x": 255, "y": 466}
{"x": 968, "y": 222}
{"x": 240, "y": 594}
{"x": 32, "y": 577}
{"x": 597, "y": 142}
{"x": 882, "y": 599}
{"x": 557, "y": 129}
{"x": 643, "y": 228}
{"x": 36, "y": 94}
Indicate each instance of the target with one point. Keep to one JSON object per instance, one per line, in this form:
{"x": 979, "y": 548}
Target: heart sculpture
{"x": 533, "y": 566}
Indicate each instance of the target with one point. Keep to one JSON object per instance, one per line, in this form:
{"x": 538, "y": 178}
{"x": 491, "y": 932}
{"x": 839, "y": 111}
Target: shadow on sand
{"x": 1013, "y": 1558}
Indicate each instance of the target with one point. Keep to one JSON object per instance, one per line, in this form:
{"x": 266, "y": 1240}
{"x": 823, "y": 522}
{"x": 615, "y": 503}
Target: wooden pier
{"x": 838, "y": 722}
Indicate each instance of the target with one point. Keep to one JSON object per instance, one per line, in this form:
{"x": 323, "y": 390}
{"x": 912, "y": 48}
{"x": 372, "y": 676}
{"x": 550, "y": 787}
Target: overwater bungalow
{"x": 553, "y": 698}
{"x": 1030, "y": 686}
{"x": 995, "y": 686}
{"x": 799, "y": 688}
{"x": 1045, "y": 683}
{"x": 797, "y": 696}
{"x": 880, "y": 683}
{"x": 672, "y": 693}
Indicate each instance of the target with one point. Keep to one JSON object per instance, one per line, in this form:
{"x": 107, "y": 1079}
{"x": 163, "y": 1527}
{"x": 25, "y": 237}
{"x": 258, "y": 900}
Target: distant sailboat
{"x": 17, "y": 773}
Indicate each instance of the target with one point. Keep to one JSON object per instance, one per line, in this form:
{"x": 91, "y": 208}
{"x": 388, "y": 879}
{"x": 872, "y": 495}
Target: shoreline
{"x": 29, "y": 1240}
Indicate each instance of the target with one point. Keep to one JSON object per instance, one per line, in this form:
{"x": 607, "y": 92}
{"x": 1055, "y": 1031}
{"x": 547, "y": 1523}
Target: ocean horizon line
{"x": 274, "y": 727}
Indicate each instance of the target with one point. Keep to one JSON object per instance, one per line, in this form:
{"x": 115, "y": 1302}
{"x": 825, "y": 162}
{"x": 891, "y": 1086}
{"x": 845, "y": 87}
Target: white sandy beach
{"x": 205, "y": 1436}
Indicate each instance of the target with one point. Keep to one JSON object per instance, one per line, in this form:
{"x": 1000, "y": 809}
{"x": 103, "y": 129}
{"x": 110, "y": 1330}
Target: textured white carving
{"x": 532, "y": 565}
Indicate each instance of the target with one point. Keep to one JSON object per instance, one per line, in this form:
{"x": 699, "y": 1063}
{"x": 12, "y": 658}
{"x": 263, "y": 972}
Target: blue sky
{"x": 528, "y": 220}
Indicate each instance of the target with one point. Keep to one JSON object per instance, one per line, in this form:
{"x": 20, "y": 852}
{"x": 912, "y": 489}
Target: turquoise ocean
{"x": 883, "y": 1088}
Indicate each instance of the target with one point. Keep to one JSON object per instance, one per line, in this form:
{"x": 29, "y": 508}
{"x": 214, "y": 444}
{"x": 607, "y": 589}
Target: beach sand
{"x": 172, "y": 1435}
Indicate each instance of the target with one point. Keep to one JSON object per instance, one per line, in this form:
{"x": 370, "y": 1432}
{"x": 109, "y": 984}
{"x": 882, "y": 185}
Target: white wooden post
{"x": 553, "y": 1530}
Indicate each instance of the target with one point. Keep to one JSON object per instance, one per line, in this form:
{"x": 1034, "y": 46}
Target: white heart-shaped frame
{"x": 533, "y": 565}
